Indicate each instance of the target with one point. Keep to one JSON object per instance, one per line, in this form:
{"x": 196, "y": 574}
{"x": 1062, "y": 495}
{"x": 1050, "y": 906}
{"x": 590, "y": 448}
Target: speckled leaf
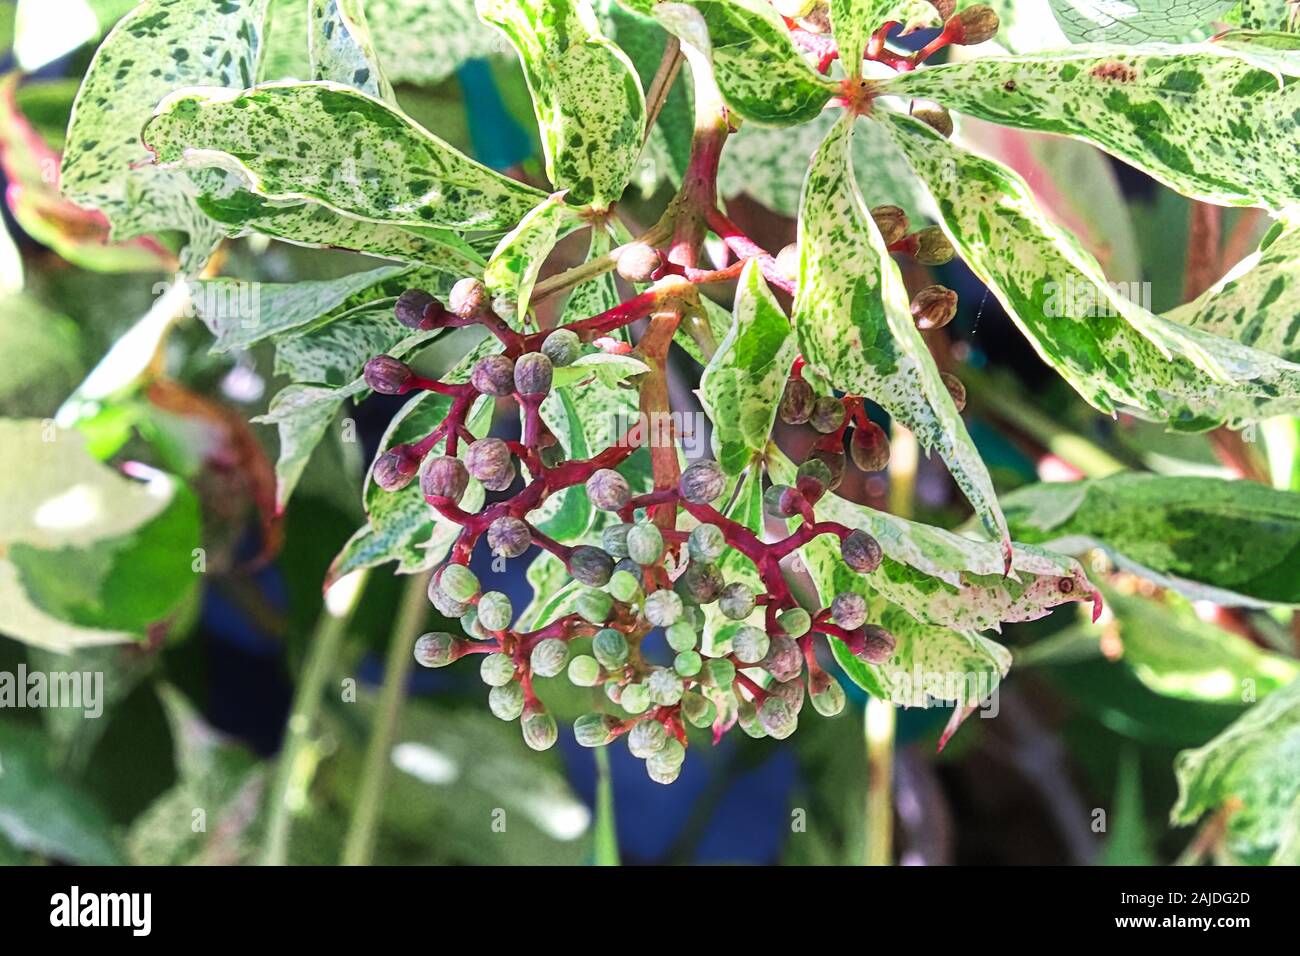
{"x": 588, "y": 100}
{"x": 341, "y": 48}
{"x": 334, "y": 352}
{"x": 519, "y": 256}
{"x": 761, "y": 74}
{"x": 425, "y": 41}
{"x": 1099, "y": 340}
{"x": 567, "y": 515}
{"x": 853, "y": 22}
{"x": 743, "y": 382}
{"x": 1258, "y": 302}
{"x": 1279, "y": 15}
{"x": 1255, "y": 762}
{"x": 160, "y": 46}
{"x": 1208, "y": 121}
{"x": 338, "y": 147}
{"x": 606, "y": 367}
{"x": 854, "y": 325}
{"x": 1231, "y": 542}
{"x": 554, "y": 592}
{"x": 1136, "y": 21}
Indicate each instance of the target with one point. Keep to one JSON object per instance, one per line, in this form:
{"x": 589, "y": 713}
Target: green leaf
{"x": 855, "y": 327}
{"x": 1230, "y": 542}
{"x": 1254, "y": 764}
{"x": 555, "y": 593}
{"x": 425, "y": 41}
{"x": 743, "y": 382}
{"x": 853, "y": 22}
{"x": 1111, "y": 350}
{"x": 607, "y": 367}
{"x": 518, "y": 258}
{"x": 341, "y": 47}
{"x": 1258, "y": 302}
{"x": 1206, "y": 120}
{"x": 337, "y": 147}
{"x": 761, "y": 74}
{"x": 1263, "y": 15}
{"x": 1135, "y": 21}
{"x": 588, "y": 100}
{"x": 158, "y": 47}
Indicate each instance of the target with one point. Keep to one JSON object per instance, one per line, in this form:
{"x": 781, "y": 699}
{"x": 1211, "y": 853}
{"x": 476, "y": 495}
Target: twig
{"x": 662, "y": 85}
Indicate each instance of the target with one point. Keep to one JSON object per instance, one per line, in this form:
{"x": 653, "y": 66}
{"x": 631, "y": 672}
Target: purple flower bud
{"x": 834, "y": 460}
{"x": 849, "y": 610}
{"x": 444, "y": 477}
{"x": 784, "y": 660}
{"x": 861, "y": 552}
{"x": 813, "y": 479}
{"x": 869, "y": 446}
{"x": 874, "y": 645}
{"x": 388, "y": 376}
{"x": 562, "y": 347}
{"x": 493, "y": 375}
{"x": 828, "y": 414}
{"x": 702, "y": 483}
{"x": 396, "y": 468}
{"x": 796, "y": 402}
{"x": 436, "y": 649}
{"x": 700, "y": 583}
{"x": 468, "y": 298}
{"x": 509, "y": 537}
{"x": 417, "y": 309}
{"x": 590, "y": 565}
{"x": 489, "y": 460}
{"x": 934, "y": 307}
{"x": 781, "y": 501}
{"x": 533, "y": 373}
{"x": 608, "y": 490}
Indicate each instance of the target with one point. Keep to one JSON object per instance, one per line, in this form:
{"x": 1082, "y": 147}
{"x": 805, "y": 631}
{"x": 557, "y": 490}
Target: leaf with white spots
{"x": 519, "y": 256}
{"x": 854, "y": 325}
{"x": 341, "y": 48}
{"x": 1099, "y": 340}
{"x": 586, "y": 94}
{"x": 853, "y": 22}
{"x": 1136, "y": 21}
{"x": 329, "y": 144}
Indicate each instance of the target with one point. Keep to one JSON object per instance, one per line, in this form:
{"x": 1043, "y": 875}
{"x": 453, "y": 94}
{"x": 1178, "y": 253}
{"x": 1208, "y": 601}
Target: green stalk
{"x": 359, "y": 847}
{"x": 295, "y": 766}
{"x": 606, "y": 830}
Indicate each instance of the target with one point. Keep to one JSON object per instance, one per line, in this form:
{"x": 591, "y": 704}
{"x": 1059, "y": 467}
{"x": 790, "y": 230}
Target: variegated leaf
{"x": 586, "y": 94}
{"x": 160, "y": 46}
{"x": 513, "y": 268}
{"x": 853, "y": 22}
{"x": 1098, "y": 339}
{"x": 1207, "y": 120}
{"x": 854, "y": 326}
{"x": 341, "y": 48}
{"x": 335, "y": 350}
{"x": 1273, "y": 15}
{"x": 1136, "y": 21}
{"x": 742, "y": 385}
{"x": 337, "y": 147}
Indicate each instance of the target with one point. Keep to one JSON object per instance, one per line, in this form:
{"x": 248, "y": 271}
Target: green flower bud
{"x": 688, "y": 663}
{"x": 720, "y": 672}
{"x": 682, "y": 636}
{"x": 828, "y": 414}
{"x": 834, "y": 460}
{"x": 664, "y": 686}
{"x": 646, "y": 738}
{"x": 645, "y": 543}
{"x": 562, "y": 347}
{"x": 509, "y": 537}
{"x": 497, "y": 670}
{"x": 629, "y": 567}
{"x": 750, "y": 644}
{"x": 494, "y": 611}
{"x": 665, "y": 764}
{"x": 700, "y": 583}
{"x": 783, "y": 660}
{"x": 507, "y": 701}
{"x": 635, "y": 699}
{"x": 795, "y": 621}
{"x": 445, "y": 605}
{"x": 626, "y": 586}
{"x": 694, "y": 615}
{"x": 747, "y": 719}
{"x": 595, "y": 730}
{"x": 827, "y": 694}
{"x": 540, "y": 732}
{"x": 702, "y": 483}
{"x": 533, "y": 373}
{"x": 608, "y": 490}
{"x": 776, "y": 718}
{"x": 614, "y": 540}
{"x": 613, "y": 691}
{"x": 469, "y": 621}
{"x": 861, "y": 552}
{"x": 444, "y": 477}
{"x": 584, "y": 671}
{"x": 937, "y": 118}
{"x": 706, "y": 543}
{"x": 436, "y": 649}
{"x": 458, "y": 582}
{"x": 698, "y": 710}
{"x": 594, "y": 606}
{"x": 797, "y": 402}
{"x": 610, "y": 648}
{"x": 493, "y": 375}
{"x": 779, "y": 501}
{"x": 849, "y": 610}
{"x": 933, "y": 247}
{"x": 662, "y": 608}
{"x": 869, "y": 447}
{"x": 548, "y": 657}
{"x": 590, "y": 565}
{"x": 792, "y": 693}
{"x": 737, "y": 601}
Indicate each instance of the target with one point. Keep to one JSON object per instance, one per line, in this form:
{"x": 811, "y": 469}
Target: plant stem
{"x": 293, "y": 768}
{"x": 879, "y": 730}
{"x": 606, "y": 829}
{"x": 662, "y": 84}
{"x": 359, "y": 847}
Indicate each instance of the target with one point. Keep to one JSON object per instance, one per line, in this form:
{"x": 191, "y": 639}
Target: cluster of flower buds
{"x": 741, "y": 648}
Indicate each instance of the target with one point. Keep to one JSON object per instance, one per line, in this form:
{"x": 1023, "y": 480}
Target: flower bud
{"x": 533, "y": 372}
{"x": 706, "y": 543}
{"x": 828, "y": 414}
{"x": 776, "y": 718}
{"x": 797, "y": 402}
{"x": 540, "y": 732}
{"x": 892, "y": 223}
{"x": 469, "y": 621}
{"x": 549, "y": 657}
{"x": 875, "y": 645}
{"x": 783, "y": 659}
{"x": 387, "y": 375}
{"x": 972, "y": 25}
{"x": 698, "y": 710}
{"x": 458, "y": 582}
{"x": 646, "y": 738}
{"x": 396, "y": 468}
{"x": 614, "y": 540}
{"x": 700, "y": 583}
{"x": 497, "y": 670}
{"x": 933, "y": 247}
{"x": 608, "y": 490}
{"x": 834, "y": 460}
{"x": 444, "y": 477}
{"x": 827, "y": 695}
{"x": 595, "y": 730}
{"x": 638, "y": 262}
{"x": 702, "y": 483}
{"x": 937, "y": 118}
{"x": 584, "y": 671}
{"x": 645, "y": 543}
{"x": 494, "y": 611}
{"x": 688, "y": 663}
{"x": 562, "y": 347}
{"x": 869, "y": 446}
{"x": 507, "y": 701}
{"x": 594, "y": 606}
{"x": 468, "y": 298}
{"x": 750, "y": 644}
{"x": 632, "y": 570}
{"x": 509, "y": 537}
{"x": 945, "y": 7}
{"x": 665, "y": 765}
{"x": 681, "y": 636}
{"x": 436, "y": 649}
{"x": 625, "y": 584}
{"x": 737, "y": 601}
{"x": 493, "y": 375}
{"x": 664, "y": 686}
{"x": 610, "y": 648}
{"x": 813, "y": 479}
{"x": 795, "y": 621}
{"x": 444, "y": 604}
{"x": 934, "y": 307}
{"x": 780, "y": 501}
{"x": 955, "y": 388}
{"x": 613, "y": 691}
{"x": 489, "y": 460}
{"x": 792, "y": 693}
{"x": 861, "y": 552}
{"x": 787, "y": 262}
{"x": 662, "y": 608}
{"x": 635, "y": 699}
{"x": 849, "y": 610}
{"x": 590, "y": 565}
{"x": 747, "y": 719}
{"x": 719, "y": 673}
{"x": 416, "y": 309}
